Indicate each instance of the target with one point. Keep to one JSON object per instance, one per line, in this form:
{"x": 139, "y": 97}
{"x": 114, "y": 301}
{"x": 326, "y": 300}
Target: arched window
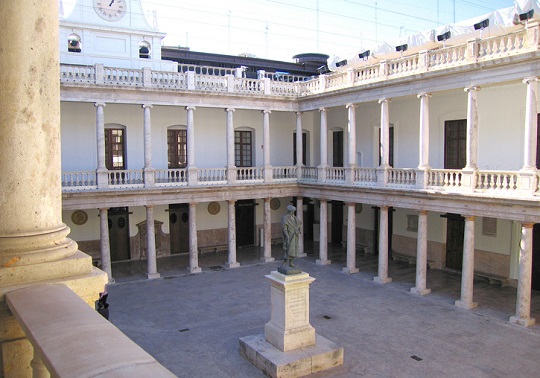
{"x": 144, "y": 50}
{"x": 74, "y": 43}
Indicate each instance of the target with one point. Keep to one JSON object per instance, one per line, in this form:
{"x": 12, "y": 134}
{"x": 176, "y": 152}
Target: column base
{"x": 267, "y": 259}
{"x": 350, "y": 271}
{"x": 466, "y": 305}
{"x": 418, "y": 291}
{"x": 303, "y": 254}
{"x": 111, "y": 281}
{"x": 382, "y": 280}
{"x": 153, "y": 276}
{"x": 194, "y": 270}
{"x": 323, "y": 262}
{"x": 232, "y": 265}
{"x": 523, "y": 322}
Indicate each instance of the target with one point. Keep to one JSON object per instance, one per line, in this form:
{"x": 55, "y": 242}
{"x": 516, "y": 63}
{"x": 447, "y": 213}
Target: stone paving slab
{"x": 192, "y": 324}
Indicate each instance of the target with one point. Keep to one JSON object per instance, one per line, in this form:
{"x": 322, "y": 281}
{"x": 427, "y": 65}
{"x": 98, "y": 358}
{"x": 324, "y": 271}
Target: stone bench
{"x": 493, "y": 278}
{"x": 213, "y": 248}
{"x": 411, "y": 260}
{"x": 74, "y": 340}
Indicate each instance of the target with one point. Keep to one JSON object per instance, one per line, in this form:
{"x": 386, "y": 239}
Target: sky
{"x": 280, "y": 29}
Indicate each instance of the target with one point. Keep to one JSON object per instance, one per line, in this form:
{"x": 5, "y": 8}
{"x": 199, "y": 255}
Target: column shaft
{"x": 323, "y": 234}
{"x": 147, "y": 137}
{"x": 382, "y": 276}
{"x": 299, "y": 144}
{"x": 421, "y": 256}
{"x": 300, "y": 216}
{"x": 231, "y": 170}
{"x": 104, "y": 243}
{"x": 472, "y": 128}
{"x": 232, "y": 263}
{"x": 351, "y": 135}
{"x": 523, "y": 300}
{"x": 423, "y": 152}
{"x": 531, "y": 110}
{"x": 190, "y": 137}
{"x": 151, "y": 258}
{"x": 351, "y": 239}
{"x": 467, "y": 272}
{"x": 100, "y": 136}
{"x": 267, "y": 256}
{"x": 324, "y": 138}
{"x": 385, "y": 132}
{"x": 193, "y": 245}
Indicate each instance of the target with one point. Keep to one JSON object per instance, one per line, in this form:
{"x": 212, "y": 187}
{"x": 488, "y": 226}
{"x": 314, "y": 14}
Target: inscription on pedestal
{"x": 297, "y": 307}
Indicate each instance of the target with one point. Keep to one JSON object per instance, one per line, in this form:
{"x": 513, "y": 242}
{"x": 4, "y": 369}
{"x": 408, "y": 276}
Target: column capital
{"x": 231, "y": 201}
{"x": 149, "y": 206}
{"x": 527, "y": 225}
{"x": 529, "y": 80}
{"x": 298, "y": 113}
{"x": 469, "y": 217}
{"x": 193, "y": 108}
{"x": 422, "y": 212}
{"x": 323, "y": 110}
{"x": 423, "y": 95}
{"x": 103, "y": 209}
{"x": 266, "y": 111}
{"x": 96, "y": 104}
{"x": 147, "y": 106}
{"x": 229, "y": 110}
{"x": 351, "y": 105}
{"x": 350, "y": 203}
{"x": 386, "y": 100}
{"x": 472, "y": 88}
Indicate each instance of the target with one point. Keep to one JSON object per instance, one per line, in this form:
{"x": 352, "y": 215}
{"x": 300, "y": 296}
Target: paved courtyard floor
{"x": 191, "y": 323}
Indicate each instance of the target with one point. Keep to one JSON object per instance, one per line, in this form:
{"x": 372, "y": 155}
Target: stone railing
{"x": 70, "y": 339}
{"x": 227, "y": 80}
{"x": 450, "y": 180}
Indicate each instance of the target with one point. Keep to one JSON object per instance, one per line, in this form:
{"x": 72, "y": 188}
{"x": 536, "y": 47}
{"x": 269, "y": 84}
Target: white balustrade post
{"x": 231, "y": 168}
{"x": 151, "y": 258}
{"x": 423, "y": 143}
{"x": 191, "y": 168}
{"x": 324, "y": 145}
{"x": 523, "y": 300}
{"x": 421, "y": 256}
{"x": 149, "y": 172}
{"x": 266, "y": 146}
{"x": 102, "y": 172}
{"x": 323, "y": 234}
{"x": 382, "y": 276}
{"x": 467, "y": 272}
{"x": 193, "y": 244}
{"x": 104, "y": 243}
{"x": 299, "y": 146}
{"x": 267, "y": 254}
{"x": 351, "y": 239}
{"x": 232, "y": 263}
{"x": 300, "y": 216}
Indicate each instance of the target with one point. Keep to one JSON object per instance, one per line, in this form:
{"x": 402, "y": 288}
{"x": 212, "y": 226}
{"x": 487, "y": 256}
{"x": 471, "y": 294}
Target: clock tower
{"x": 114, "y": 33}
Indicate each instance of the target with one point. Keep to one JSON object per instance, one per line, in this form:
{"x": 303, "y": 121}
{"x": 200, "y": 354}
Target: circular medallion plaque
{"x": 275, "y": 203}
{"x": 358, "y": 208}
{"x": 213, "y": 208}
{"x": 79, "y": 217}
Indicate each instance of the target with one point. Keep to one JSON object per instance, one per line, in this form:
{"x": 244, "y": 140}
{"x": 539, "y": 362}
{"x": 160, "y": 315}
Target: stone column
{"x": 104, "y": 243}
{"x": 148, "y": 170}
{"x": 421, "y": 256}
{"x": 385, "y": 133}
{"x": 266, "y": 146}
{"x": 191, "y": 168}
{"x": 300, "y": 216}
{"x": 423, "y": 151}
{"x": 299, "y": 146}
{"x": 151, "y": 262}
{"x": 267, "y": 255}
{"x": 324, "y": 145}
{"x": 472, "y": 128}
{"x": 523, "y": 302}
{"x": 382, "y": 276}
{"x": 232, "y": 263}
{"x": 351, "y": 239}
{"x": 531, "y": 110}
{"x": 467, "y": 272}
{"x": 102, "y": 172}
{"x": 351, "y": 135}
{"x": 323, "y": 234}
{"x": 193, "y": 246}
{"x": 231, "y": 168}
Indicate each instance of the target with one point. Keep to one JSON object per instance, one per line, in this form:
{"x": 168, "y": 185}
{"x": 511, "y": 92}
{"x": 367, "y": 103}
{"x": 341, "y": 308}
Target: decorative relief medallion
{"x": 214, "y": 208}
{"x": 358, "y": 208}
{"x": 79, "y": 217}
{"x": 275, "y": 203}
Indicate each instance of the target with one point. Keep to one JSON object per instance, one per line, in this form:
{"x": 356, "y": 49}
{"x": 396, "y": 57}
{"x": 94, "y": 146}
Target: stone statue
{"x": 292, "y": 229}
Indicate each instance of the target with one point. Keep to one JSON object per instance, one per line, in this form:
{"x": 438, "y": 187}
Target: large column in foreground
{"x": 323, "y": 234}
{"x": 351, "y": 239}
{"x": 382, "y": 276}
{"x": 467, "y": 272}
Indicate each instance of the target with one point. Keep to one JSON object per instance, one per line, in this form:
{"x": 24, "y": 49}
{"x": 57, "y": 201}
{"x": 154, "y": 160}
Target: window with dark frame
{"x": 243, "y": 149}
{"x": 455, "y": 144}
{"x": 177, "y": 148}
{"x": 115, "y": 149}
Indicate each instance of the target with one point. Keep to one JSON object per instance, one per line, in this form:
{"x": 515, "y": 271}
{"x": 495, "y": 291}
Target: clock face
{"x": 110, "y": 10}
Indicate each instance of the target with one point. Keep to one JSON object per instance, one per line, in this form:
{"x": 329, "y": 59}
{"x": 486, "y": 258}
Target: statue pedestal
{"x": 289, "y": 346}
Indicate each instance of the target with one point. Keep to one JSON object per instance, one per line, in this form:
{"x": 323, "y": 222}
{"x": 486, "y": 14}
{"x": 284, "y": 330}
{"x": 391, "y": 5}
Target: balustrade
{"x": 170, "y": 176}
{"x": 79, "y": 180}
{"x": 401, "y": 176}
{"x": 207, "y": 176}
{"x": 126, "y": 177}
{"x": 335, "y": 174}
{"x": 249, "y": 174}
{"x": 284, "y": 173}
{"x": 364, "y": 175}
{"x": 497, "y": 180}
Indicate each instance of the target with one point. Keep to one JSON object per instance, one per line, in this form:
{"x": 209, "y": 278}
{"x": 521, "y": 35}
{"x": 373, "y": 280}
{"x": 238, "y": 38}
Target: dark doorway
{"x": 245, "y": 222}
{"x": 337, "y": 222}
{"x": 243, "y": 149}
{"x": 115, "y": 157}
{"x": 119, "y": 233}
{"x": 338, "y": 149}
{"x": 376, "y": 225}
{"x": 309, "y": 217}
{"x": 455, "y": 144}
{"x": 455, "y": 231}
{"x": 304, "y": 145}
{"x": 179, "y": 227}
{"x": 535, "y": 283}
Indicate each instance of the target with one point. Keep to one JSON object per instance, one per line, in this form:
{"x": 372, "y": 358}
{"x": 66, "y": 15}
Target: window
{"x": 455, "y": 144}
{"x": 144, "y": 50}
{"x": 74, "y": 43}
{"x": 177, "y": 148}
{"x": 114, "y": 149}
{"x": 243, "y": 149}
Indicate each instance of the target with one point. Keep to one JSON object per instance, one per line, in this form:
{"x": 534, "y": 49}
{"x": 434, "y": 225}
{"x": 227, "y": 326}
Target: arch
{"x": 74, "y": 43}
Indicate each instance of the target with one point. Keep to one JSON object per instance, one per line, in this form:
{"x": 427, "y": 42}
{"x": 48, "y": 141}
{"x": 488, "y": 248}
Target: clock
{"x": 110, "y": 10}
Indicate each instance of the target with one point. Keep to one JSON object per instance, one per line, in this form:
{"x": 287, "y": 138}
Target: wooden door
{"x": 245, "y": 222}
{"x": 179, "y": 227}
{"x": 535, "y": 283}
{"x": 119, "y": 233}
{"x": 455, "y": 231}
{"x": 304, "y": 145}
{"x": 337, "y": 222}
{"x": 338, "y": 149}
{"x": 455, "y": 144}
